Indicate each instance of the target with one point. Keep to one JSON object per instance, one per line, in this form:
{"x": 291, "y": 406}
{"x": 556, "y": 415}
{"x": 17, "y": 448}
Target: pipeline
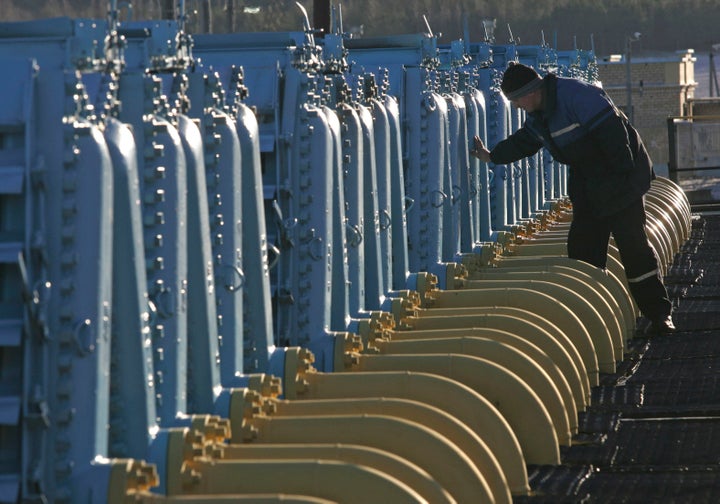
{"x": 262, "y": 267}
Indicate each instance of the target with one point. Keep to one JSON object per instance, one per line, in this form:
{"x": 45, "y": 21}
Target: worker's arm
{"x": 519, "y": 145}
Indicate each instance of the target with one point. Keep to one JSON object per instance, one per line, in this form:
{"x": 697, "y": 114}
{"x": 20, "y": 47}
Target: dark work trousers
{"x": 588, "y": 241}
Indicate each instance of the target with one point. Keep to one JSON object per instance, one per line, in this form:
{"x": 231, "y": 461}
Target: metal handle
{"x": 276, "y": 256}
{"x": 354, "y": 235}
{"x": 234, "y": 277}
{"x": 474, "y": 186}
{"x": 385, "y": 220}
{"x": 503, "y": 171}
{"x": 85, "y": 345}
{"x": 457, "y": 192}
{"x": 164, "y": 301}
{"x": 437, "y": 198}
{"x": 317, "y": 248}
{"x": 409, "y": 203}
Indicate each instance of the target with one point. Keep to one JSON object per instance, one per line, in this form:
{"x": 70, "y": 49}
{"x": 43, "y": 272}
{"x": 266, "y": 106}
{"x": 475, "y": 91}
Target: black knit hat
{"x": 519, "y": 80}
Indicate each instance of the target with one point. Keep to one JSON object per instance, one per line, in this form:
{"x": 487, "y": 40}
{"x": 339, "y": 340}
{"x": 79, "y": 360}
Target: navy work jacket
{"x": 580, "y": 126}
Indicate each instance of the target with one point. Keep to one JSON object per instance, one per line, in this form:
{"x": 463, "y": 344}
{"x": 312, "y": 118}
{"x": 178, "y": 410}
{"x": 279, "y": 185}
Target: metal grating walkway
{"x": 652, "y": 434}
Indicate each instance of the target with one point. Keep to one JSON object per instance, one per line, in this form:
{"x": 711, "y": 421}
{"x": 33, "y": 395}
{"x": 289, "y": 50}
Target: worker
{"x": 609, "y": 173}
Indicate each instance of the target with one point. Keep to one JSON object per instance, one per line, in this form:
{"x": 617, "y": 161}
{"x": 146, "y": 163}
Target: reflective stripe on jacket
{"x": 580, "y": 126}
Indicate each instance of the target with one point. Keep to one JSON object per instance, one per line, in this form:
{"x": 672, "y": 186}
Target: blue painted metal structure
{"x": 62, "y": 259}
{"x": 176, "y": 218}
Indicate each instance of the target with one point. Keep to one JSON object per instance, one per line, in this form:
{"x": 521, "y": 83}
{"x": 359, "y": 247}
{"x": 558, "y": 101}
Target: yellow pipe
{"x": 657, "y": 241}
{"x": 664, "y": 232}
{"x": 669, "y": 216}
{"x": 605, "y": 277}
{"x": 678, "y": 205}
{"x": 532, "y": 341}
{"x": 675, "y": 197}
{"x": 561, "y": 408}
{"x": 671, "y": 227}
{"x": 519, "y": 321}
{"x": 601, "y": 321}
{"x": 555, "y": 311}
{"x": 541, "y": 249}
{"x": 608, "y": 288}
{"x": 412, "y": 441}
{"x": 456, "y": 399}
{"x": 328, "y": 479}
{"x": 683, "y": 203}
{"x": 611, "y": 302}
{"x": 560, "y": 250}
{"x": 620, "y": 323}
{"x": 555, "y": 236}
{"x": 189, "y": 471}
{"x": 279, "y": 498}
{"x": 583, "y": 356}
{"x": 466, "y": 440}
{"x": 578, "y": 278}
{"x": 264, "y": 498}
{"x": 130, "y": 481}
{"x": 551, "y": 232}
{"x": 522, "y": 408}
{"x": 381, "y": 460}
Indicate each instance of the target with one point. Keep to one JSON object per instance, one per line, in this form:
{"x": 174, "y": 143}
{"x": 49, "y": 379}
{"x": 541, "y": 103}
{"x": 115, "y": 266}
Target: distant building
{"x": 661, "y": 87}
